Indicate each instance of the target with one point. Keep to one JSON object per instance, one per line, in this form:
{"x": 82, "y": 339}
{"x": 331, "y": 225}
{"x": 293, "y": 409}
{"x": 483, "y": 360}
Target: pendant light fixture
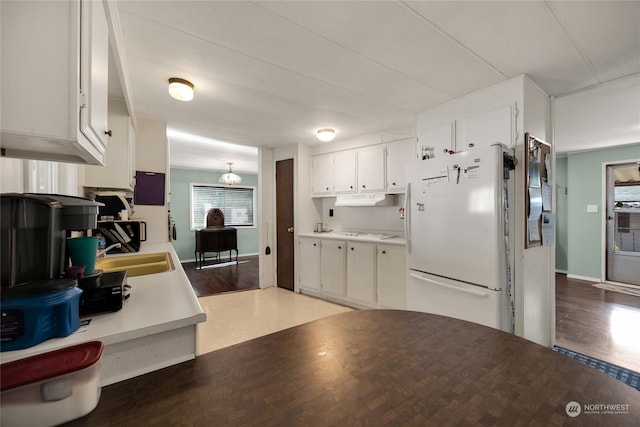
{"x": 326, "y": 134}
{"x": 230, "y": 178}
{"x": 180, "y": 89}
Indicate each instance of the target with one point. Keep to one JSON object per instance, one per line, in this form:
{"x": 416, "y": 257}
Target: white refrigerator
{"x": 458, "y": 230}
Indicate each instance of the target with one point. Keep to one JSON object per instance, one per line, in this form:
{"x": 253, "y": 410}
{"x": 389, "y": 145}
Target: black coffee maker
{"x": 34, "y": 231}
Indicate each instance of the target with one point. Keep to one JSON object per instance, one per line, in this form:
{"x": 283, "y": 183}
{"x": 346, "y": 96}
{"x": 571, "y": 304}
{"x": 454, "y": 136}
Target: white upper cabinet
{"x": 371, "y": 170}
{"x": 487, "y": 128}
{"x": 466, "y": 133}
{"x": 322, "y": 175}
{"x": 437, "y": 141}
{"x": 94, "y": 81}
{"x": 54, "y": 80}
{"x": 344, "y": 172}
{"x": 118, "y": 171}
{"x": 379, "y": 168}
{"x": 399, "y": 155}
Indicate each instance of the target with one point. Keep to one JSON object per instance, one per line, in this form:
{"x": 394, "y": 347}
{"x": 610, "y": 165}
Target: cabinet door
{"x": 361, "y": 272}
{"x": 41, "y": 103}
{"x": 399, "y": 156}
{"x": 94, "y": 63}
{"x": 309, "y": 273}
{"x": 435, "y": 142}
{"x": 344, "y": 171}
{"x": 485, "y": 129}
{"x": 392, "y": 276}
{"x": 332, "y": 260}
{"x": 322, "y": 174}
{"x": 371, "y": 170}
{"x": 118, "y": 170}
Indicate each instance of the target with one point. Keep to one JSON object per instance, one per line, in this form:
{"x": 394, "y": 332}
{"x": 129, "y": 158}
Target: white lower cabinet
{"x": 309, "y": 274}
{"x": 361, "y": 272}
{"x": 391, "y": 278}
{"x": 332, "y": 268}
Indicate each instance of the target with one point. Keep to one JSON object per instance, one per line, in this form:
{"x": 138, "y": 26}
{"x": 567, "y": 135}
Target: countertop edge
{"x": 396, "y": 241}
{"x": 120, "y": 326}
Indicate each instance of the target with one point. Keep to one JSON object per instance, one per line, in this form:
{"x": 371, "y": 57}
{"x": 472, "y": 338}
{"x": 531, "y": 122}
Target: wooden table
{"x": 370, "y": 367}
{"x": 215, "y": 239}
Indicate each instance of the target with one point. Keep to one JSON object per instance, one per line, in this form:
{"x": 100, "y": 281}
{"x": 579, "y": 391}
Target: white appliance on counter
{"x": 458, "y": 231}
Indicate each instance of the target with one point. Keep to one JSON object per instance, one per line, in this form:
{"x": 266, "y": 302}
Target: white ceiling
{"x": 269, "y": 73}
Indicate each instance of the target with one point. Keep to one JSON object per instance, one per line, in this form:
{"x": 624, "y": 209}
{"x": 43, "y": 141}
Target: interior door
{"x": 623, "y": 223}
{"x": 284, "y": 224}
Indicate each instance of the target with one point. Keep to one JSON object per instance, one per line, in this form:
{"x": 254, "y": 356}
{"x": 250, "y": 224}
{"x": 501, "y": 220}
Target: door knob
{"x": 290, "y": 229}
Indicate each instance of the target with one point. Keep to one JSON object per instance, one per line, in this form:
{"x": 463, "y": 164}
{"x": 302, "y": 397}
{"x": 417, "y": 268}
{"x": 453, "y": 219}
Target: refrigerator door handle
{"x": 407, "y": 217}
{"x": 457, "y": 288}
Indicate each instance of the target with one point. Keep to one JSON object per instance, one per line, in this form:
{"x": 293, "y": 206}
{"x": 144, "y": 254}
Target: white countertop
{"x": 158, "y": 303}
{"x": 381, "y": 239}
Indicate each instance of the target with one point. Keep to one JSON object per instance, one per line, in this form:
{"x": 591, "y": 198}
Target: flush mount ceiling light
{"x": 326, "y": 134}
{"x": 230, "y": 178}
{"x": 180, "y": 89}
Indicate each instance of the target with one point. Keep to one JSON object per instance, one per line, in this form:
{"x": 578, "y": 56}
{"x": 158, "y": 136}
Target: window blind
{"x": 236, "y": 204}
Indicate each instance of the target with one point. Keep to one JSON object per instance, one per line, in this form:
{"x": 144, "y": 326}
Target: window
{"x": 237, "y": 204}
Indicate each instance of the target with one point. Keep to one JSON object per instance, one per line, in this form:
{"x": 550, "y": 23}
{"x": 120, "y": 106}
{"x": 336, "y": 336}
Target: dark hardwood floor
{"x": 598, "y": 323}
{"x": 370, "y": 368}
{"x": 225, "y": 277}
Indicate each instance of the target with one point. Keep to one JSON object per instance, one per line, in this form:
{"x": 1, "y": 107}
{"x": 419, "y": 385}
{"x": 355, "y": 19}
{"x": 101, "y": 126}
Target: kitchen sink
{"x": 137, "y": 265}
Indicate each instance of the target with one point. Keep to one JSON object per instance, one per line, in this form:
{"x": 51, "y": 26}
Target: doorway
{"x": 623, "y": 223}
{"x": 284, "y": 225}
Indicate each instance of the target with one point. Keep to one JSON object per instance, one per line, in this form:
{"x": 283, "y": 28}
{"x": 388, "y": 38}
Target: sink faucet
{"x": 108, "y": 248}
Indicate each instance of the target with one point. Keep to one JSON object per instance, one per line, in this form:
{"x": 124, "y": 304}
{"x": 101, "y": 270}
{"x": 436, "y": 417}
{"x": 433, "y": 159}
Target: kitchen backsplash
{"x": 382, "y": 219}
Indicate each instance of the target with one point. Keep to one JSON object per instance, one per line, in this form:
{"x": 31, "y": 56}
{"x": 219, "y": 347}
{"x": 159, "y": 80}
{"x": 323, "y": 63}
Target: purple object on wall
{"x": 149, "y": 188}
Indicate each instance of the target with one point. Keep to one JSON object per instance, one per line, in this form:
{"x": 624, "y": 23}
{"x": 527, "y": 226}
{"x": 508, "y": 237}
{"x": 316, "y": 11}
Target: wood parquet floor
{"x": 598, "y": 323}
{"x": 370, "y": 368}
{"x": 236, "y": 277}
{"x": 591, "y": 321}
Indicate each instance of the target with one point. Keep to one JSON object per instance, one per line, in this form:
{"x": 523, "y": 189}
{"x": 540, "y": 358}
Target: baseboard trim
{"x": 586, "y": 278}
{"x": 565, "y": 272}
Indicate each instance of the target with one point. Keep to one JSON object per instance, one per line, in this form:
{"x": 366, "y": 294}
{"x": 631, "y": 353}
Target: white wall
{"x": 266, "y": 197}
{"x": 538, "y": 263}
{"x": 603, "y": 116}
{"x": 152, "y": 155}
{"x": 372, "y": 219}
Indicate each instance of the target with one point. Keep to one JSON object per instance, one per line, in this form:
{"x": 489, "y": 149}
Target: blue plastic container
{"x": 33, "y": 313}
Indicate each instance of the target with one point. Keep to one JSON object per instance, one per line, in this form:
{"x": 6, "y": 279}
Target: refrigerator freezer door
{"x": 455, "y": 217}
{"x": 437, "y": 295}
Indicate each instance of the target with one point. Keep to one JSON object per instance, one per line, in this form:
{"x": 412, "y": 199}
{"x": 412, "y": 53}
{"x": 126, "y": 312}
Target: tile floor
{"x": 235, "y": 317}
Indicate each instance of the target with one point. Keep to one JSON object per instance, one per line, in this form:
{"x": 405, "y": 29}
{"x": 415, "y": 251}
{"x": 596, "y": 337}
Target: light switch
{"x": 592, "y": 208}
